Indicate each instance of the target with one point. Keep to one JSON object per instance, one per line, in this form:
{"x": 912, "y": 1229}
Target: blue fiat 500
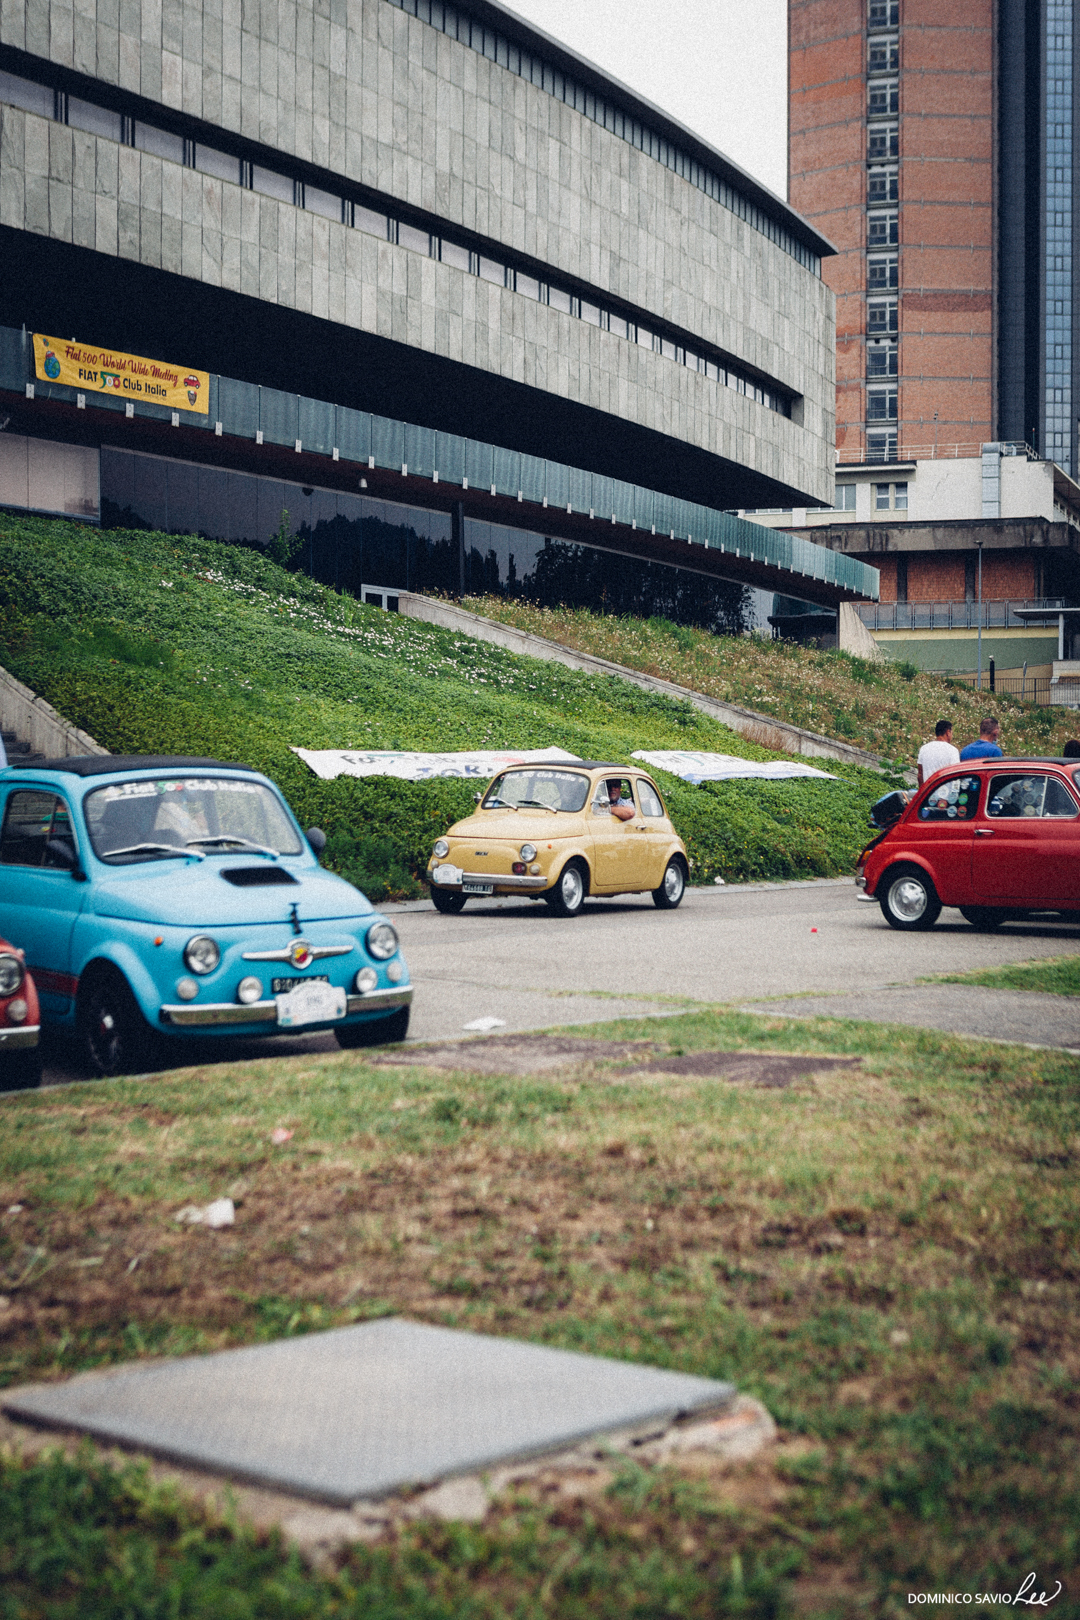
{"x": 173, "y": 896}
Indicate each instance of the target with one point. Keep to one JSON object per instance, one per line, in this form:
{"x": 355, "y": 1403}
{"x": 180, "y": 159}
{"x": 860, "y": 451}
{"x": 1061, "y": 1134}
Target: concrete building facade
{"x": 431, "y": 214}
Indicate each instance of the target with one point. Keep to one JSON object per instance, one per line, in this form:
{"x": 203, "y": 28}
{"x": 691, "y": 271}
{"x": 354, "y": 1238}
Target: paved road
{"x": 513, "y": 961}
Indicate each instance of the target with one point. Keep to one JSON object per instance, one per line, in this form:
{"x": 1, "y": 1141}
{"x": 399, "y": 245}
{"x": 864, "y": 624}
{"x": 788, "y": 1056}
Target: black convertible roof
{"x": 106, "y": 764}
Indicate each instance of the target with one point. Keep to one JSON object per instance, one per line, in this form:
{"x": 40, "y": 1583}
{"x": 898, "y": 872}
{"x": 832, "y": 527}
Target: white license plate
{"x": 310, "y": 1003}
{"x": 446, "y": 874}
{"x": 477, "y": 888}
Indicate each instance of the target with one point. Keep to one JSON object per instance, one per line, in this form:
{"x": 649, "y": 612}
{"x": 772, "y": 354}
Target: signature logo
{"x": 1025, "y": 1596}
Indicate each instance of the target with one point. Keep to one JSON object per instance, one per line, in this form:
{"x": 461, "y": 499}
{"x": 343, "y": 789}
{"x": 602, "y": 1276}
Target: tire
{"x": 374, "y": 1031}
{"x": 21, "y": 1071}
{"x": 113, "y": 1034}
{"x": 908, "y": 899}
{"x": 984, "y": 918}
{"x": 672, "y": 887}
{"x": 448, "y": 904}
{"x": 572, "y": 885}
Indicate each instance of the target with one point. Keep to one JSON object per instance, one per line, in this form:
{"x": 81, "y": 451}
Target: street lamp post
{"x": 978, "y": 679}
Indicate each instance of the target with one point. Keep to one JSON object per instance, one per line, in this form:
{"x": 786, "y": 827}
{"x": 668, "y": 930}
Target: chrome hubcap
{"x": 570, "y": 888}
{"x": 908, "y": 899}
{"x": 673, "y": 881}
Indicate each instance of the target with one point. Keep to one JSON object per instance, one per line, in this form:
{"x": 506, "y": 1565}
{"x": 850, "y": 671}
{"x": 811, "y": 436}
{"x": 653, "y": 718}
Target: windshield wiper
{"x": 535, "y": 804}
{"x": 234, "y": 838}
{"x": 153, "y": 849}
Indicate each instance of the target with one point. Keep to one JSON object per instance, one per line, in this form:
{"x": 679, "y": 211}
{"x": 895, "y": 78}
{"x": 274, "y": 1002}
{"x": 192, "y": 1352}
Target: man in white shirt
{"x": 934, "y": 756}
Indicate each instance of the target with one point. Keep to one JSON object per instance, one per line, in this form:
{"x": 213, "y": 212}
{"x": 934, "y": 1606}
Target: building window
{"x": 881, "y": 404}
{"x": 845, "y": 498}
{"x": 883, "y": 273}
{"x": 883, "y": 185}
{"x": 883, "y": 142}
{"x": 884, "y": 54}
{"x": 883, "y": 14}
{"x": 881, "y": 316}
{"x": 881, "y": 447}
{"x": 883, "y": 229}
{"x": 901, "y": 579}
{"x": 881, "y": 359}
{"x": 890, "y": 497}
{"x": 970, "y": 580}
{"x": 884, "y": 97}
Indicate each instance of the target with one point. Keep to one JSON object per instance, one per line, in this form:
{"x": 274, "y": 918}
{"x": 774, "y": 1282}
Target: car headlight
{"x": 528, "y": 852}
{"x": 201, "y": 955}
{"x": 366, "y": 980}
{"x": 12, "y": 974}
{"x": 249, "y": 990}
{"x": 441, "y": 850}
{"x": 382, "y": 941}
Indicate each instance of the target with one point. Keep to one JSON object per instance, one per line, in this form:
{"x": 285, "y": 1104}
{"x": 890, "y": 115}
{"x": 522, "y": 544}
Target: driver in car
{"x": 623, "y": 808}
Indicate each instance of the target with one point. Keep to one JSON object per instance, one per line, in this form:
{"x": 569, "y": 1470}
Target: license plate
{"x": 313, "y": 1002}
{"x": 477, "y": 888}
{"x": 446, "y": 874}
{"x": 282, "y": 987}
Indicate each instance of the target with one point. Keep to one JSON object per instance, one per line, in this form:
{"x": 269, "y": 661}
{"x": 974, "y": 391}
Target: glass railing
{"x": 997, "y": 615}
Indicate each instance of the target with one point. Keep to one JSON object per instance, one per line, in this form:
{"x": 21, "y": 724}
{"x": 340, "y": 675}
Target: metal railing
{"x": 1028, "y": 688}
{"x": 934, "y": 451}
{"x": 998, "y": 615}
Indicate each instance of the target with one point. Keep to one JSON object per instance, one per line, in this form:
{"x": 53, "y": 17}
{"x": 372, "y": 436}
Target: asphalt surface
{"x": 513, "y": 962}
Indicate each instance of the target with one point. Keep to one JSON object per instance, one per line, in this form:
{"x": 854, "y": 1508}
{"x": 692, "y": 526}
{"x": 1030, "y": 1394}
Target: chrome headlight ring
{"x": 382, "y": 941}
{"x": 12, "y": 974}
{"x": 528, "y": 852}
{"x": 201, "y": 954}
{"x": 441, "y": 850}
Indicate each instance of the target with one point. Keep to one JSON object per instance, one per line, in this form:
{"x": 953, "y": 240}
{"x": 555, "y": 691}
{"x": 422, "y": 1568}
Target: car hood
{"x": 517, "y": 826}
{"x": 198, "y": 896}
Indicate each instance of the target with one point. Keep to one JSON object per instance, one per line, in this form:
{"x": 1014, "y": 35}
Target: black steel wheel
{"x": 908, "y": 898}
{"x": 374, "y": 1031}
{"x": 114, "y": 1036}
{"x": 984, "y": 918}
{"x": 568, "y": 895}
{"x": 446, "y": 902}
{"x": 673, "y": 887}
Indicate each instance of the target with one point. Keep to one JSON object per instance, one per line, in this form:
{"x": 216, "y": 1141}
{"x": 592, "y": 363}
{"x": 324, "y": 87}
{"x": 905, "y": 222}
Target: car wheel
{"x": 673, "y": 887}
{"x": 374, "y": 1031}
{"x": 984, "y": 918}
{"x": 114, "y": 1035}
{"x": 568, "y": 896}
{"x": 909, "y": 899}
{"x": 449, "y": 904}
{"x": 21, "y": 1071}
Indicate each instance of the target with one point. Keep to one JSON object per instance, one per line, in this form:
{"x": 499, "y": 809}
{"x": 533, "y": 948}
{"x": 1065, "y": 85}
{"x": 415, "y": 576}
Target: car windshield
{"x": 537, "y": 789}
{"x": 187, "y": 815}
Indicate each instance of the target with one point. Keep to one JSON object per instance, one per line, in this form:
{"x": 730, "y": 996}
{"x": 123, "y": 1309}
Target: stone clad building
{"x": 457, "y": 296}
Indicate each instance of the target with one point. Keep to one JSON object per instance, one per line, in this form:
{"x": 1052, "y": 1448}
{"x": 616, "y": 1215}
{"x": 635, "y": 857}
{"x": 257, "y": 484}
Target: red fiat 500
{"x": 998, "y": 838}
{"x": 20, "y": 1022}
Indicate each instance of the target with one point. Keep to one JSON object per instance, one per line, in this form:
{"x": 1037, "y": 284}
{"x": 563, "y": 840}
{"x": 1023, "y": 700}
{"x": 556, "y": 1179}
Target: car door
{"x": 620, "y": 859}
{"x": 941, "y": 833}
{"x": 659, "y": 840}
{"x": 39, "y": 897}
{"x": 1027, "y": 841}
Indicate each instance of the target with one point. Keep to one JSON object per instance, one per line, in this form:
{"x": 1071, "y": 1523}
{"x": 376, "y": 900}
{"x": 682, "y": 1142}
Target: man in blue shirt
{"x": 987, "y": 745}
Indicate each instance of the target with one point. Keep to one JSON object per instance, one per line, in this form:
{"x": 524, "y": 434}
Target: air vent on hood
{"x": 257, "y": 877}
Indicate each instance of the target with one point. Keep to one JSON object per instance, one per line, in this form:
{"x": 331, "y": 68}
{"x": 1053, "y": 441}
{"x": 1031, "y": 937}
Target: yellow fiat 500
{"x": 560, "y": 833}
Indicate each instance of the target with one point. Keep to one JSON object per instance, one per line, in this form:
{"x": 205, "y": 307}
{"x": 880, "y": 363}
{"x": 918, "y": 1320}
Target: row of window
{"x": 452, "y": 20}
{"x": 86, "y": 115}
{"x": 887, "y": 498}
{"x": 882, "y": 233}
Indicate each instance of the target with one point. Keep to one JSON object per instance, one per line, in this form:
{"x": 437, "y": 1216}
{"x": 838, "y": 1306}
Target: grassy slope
{"x": 163, "y": 644}
{"x": 888, "y": 1255}
{"x": 1056, "y": 975}
{"x": 883, "y": 706}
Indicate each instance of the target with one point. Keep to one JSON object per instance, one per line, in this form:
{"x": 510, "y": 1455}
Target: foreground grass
{"x": 171, "y": 644}
{"x": 1057, "y": 975}
{"x": 888, "y": 1254}
{"x": 886, "y": 707}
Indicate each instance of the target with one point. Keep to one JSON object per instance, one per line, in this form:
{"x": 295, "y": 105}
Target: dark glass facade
{"x": 355, "y": 541}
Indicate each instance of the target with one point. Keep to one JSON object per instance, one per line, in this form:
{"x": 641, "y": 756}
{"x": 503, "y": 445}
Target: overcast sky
{"x": 718, "y": 66}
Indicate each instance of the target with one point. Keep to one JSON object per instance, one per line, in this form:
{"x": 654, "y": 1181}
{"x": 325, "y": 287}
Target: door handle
{"x": 984, "y": 832}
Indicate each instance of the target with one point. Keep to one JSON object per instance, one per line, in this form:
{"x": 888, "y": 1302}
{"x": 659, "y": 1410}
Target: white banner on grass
{"x": 697, "y": 768}
{"x": 329, "y": 763}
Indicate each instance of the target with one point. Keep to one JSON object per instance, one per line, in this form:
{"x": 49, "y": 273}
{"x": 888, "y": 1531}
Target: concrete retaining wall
{"x": 37, "y": 724}
{"x": 764, "y": 729}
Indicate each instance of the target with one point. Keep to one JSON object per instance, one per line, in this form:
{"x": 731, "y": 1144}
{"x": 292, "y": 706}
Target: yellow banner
{"x": 128, "y": 376}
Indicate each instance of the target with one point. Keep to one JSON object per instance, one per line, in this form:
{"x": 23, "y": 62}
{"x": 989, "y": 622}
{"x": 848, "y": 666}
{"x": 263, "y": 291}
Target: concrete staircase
{"x": 32, "y": 729}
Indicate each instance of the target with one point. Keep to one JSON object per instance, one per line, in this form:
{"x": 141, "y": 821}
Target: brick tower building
{"x": 892, "y": 155}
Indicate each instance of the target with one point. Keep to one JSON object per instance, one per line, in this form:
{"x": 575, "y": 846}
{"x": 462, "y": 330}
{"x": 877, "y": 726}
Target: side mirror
{"x": 477, "y": 797}
{"x": 317, "y": 839}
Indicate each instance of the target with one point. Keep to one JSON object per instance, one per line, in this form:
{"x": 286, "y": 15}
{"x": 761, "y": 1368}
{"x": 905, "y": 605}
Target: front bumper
{"x": 213, "y": 1014}
{"x": 16, "y": 1040}
{"x": 491, "y": 880}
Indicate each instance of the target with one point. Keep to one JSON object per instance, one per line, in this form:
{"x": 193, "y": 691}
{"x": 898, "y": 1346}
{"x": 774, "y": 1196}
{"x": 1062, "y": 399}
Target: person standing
{"x": 986, "y": 745}
{"x": 934, "y": 756}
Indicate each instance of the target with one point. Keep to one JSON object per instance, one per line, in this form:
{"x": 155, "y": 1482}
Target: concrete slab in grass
{"x": 361, "y": 1411}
